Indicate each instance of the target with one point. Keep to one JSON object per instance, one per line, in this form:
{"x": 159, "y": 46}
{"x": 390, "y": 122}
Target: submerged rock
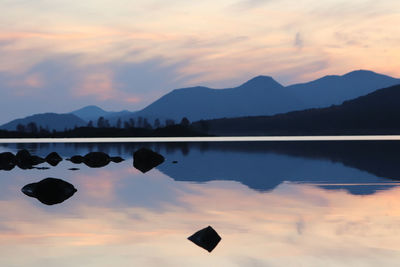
{"x": 96, "y": 159}
{"x": 53, "y": 159}
{"x": 116, "y": 159}
{"x": 50, "y": 191}
{"x": 7, "y": 161}
{"x": 145, "y": 159}
{"x": 77, "y": 159}
{"x": 73, "y": 169}
{"x": 41, "y": 168}
{"x": 206, "y": 238}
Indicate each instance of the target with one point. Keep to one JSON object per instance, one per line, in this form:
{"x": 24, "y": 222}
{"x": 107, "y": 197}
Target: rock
{"x": 145, "y": 159}
{"x": 77, "y": 159}
{"x": 116, "y": 159}
{"x": 41, "y": 168}
{"x": 73, "y": 169}
{"x": 53, "y": 159}
{"x": 50, "y": 191}
{"x": 37, "y": 160}
{"x": 206, "y": 238}
{"x": 24, "y": 159}
{"x": 7, "y": 161}
{"x": 175, "y": 162}
{"x": 96, "y": 159}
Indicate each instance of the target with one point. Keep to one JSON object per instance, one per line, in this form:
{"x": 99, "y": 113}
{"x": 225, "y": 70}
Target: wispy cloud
{"x": 298, "y": 40}
{"x": 249, "y": 4}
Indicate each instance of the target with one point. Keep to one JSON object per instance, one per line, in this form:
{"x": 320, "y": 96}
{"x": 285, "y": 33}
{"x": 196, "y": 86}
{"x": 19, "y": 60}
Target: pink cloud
{"x": 27, "y": 85}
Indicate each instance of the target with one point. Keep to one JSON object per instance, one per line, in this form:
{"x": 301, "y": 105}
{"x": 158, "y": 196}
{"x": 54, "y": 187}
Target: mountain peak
{"x": 261, "y": 81}
{"x": 91, "y": 112}
{"x": 361, "y": 73}
{"x": 89, "y": 108}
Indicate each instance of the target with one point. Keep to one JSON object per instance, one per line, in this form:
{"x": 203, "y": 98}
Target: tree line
{"x": 101, "y": 122}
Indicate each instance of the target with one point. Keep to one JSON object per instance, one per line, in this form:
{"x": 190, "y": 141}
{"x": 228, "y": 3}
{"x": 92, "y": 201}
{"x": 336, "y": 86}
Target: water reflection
{"x": 125, "y": 218}
{"x": 358, "y": 166}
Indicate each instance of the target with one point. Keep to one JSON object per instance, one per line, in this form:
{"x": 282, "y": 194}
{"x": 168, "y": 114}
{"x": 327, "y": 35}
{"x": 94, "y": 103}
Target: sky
{"x": 58, "y": 55}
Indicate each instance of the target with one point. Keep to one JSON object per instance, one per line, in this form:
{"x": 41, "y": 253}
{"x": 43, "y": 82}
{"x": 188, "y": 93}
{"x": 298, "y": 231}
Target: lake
{"x": 324, "y": 203}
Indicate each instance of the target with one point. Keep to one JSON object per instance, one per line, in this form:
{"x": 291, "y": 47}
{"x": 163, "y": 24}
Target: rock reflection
{"x": 50, "y": 191}
{"x": 145, "y": 159}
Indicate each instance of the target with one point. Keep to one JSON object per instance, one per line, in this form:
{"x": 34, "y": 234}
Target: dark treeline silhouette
{"x": 131, "y": 128}
{"x": 375, "y": 113}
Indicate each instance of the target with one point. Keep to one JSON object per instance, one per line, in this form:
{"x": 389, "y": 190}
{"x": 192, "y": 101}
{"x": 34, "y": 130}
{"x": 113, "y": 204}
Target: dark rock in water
{"x": 116, "y": 159}
{"x": 77, "y": 159}
{"x": 206, "y": 238}
{"x": 145, "y": 159}
{"x": 37, "y": 160}
{"x": 7, "y": 161}
{"x": 53, "y": 159}
{"x": 175, "y": 162}
{"x": 24, "y": 159}
{"x": 73, "y": 169}
{"x": 96, "y": 159}
{"x": 50, "y": 191}
{"x": 41, "y": 168}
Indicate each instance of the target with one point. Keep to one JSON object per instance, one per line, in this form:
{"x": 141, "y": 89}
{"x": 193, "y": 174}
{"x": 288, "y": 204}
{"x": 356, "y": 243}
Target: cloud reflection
{"x": 290, "y": 225}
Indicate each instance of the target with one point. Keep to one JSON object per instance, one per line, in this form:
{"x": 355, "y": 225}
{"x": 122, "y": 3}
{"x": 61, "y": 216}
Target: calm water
{"x": 273, "y": 204}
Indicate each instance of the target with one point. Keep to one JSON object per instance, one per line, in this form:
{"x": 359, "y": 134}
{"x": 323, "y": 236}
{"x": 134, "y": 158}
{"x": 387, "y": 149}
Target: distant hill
{"x": 51, "y": 121}
{"x": 92, "y": 113}
{"x": 375, "y": 113}
{"x": 264, "y": 96}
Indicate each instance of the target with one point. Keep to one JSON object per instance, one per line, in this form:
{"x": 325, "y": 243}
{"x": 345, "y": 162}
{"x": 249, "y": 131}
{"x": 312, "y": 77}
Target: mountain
{"x": 375, "y": 113}
{"x": 259, "y": 96}
{"x": 333, "y": 89}
{"x": 92, "y": 113}
{"x": 47, "y": 121}
{"x": 262, "y": 95}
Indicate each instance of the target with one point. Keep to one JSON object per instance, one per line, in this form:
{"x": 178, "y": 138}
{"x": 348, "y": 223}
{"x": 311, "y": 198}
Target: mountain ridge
{"x": 259, "y": 96}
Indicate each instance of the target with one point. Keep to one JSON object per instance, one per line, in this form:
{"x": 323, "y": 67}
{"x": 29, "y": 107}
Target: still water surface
{"x": 273, "y": 204}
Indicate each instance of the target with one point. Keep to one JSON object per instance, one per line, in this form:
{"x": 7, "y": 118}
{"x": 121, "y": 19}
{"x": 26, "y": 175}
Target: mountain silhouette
{"x": 260, "y": 96}
{"x": 375, "y": 113}
{"x": 50, "y": 121}
{"x": 92, "y": 113}
{"x": 264, "y": 96}
{"x": 333, "y": 89}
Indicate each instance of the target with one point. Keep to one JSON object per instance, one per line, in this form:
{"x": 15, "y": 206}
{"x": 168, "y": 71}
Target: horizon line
{"x": 204, "y": 139}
